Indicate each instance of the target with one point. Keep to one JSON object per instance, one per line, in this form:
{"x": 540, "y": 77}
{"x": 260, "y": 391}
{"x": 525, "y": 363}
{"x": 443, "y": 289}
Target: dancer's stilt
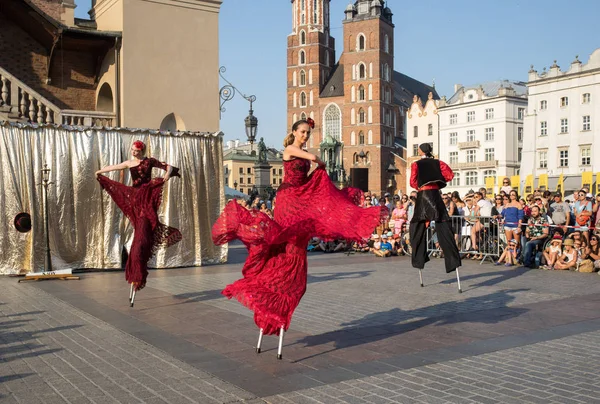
{"x": 130, "y": 292}
{"x": 132, "y": 298}
{"x": 421, "y": 276}
{"x": 260, "y": 337}
{"x": 458, "y": 281}
{"x": 280, "y": 347}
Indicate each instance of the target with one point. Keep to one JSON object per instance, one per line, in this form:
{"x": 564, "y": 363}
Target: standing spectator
{"x": 559, "y": 213}
{"x": 410, "y": 210}
{"x": 513, "y": 218}
{"x": 388, "y": 202}
{"x": 483, "y": 210}
{"x": 399, "y": 216}
{"x": 484, "y": 195}
{"x": 506, "y": 188}
{"x": 582, "y": 209}
{"x": 536, "y": 233}
{"x": 498, "y": 205}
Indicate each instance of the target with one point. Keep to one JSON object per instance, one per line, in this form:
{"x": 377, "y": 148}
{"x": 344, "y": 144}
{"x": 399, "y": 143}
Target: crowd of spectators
{"x": 540, "y": 230}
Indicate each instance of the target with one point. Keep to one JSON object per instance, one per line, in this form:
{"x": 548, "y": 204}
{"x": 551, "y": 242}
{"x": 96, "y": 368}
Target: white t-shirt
{"x": 485, "y": 207}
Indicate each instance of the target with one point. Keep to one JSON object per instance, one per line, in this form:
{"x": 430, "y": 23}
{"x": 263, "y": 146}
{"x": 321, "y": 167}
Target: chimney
{"x": 457, "y": 87}
{"x": 68, "y": 13}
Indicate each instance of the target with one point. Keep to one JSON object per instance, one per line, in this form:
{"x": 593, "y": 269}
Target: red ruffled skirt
{"x": 140, "y": 205}
{"x": 275, "y": 272}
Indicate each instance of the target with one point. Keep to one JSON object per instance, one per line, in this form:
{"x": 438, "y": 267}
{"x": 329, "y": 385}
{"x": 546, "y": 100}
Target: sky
{"x": 458, "y": 41}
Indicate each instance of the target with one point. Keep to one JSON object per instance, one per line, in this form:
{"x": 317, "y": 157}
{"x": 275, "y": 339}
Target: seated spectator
{"x": 568, "y": 258}
{"x": 338, "y": 245}
{"x": 374, "y": 243}
{"x": 552, "y": 252}
{"x": 509, "y": 255}
{"x": 593, "y": 251}
{"x": 361, "y": 246}
{"x": 385, "y": 248}
{"x": 535, "y": 233}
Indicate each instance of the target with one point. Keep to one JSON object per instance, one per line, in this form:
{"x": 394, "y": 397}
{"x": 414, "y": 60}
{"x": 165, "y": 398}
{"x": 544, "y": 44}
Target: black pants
{"x": 445, "y": 234}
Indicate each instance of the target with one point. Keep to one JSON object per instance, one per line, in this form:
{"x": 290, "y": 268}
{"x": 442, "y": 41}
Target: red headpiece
{"x": 139, "y": 145}
{"x": 311, "y": 123}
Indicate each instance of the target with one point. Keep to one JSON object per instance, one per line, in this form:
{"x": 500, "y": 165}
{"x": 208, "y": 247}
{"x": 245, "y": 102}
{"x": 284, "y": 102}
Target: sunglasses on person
{"x": 506, "y": 182}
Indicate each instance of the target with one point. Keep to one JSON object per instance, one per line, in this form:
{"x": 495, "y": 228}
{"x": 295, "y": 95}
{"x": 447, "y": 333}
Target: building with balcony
{"x": 561, "y": 132}
{"x": 423, "y": 126}
{"x": 116, "y": 69}
{"x": 481, "y": 132}
{"x": 238, "y": 166}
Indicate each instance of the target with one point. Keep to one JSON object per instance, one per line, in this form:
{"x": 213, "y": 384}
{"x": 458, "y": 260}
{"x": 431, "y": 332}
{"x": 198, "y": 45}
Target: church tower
{"x": 368, "y": 61}
{"x": 310, "y": 58}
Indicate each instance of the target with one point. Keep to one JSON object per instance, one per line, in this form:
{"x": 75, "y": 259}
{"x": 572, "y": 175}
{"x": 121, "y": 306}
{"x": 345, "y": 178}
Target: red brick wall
{"x": 51, "y": 7}
{"x": 72, "y": 79}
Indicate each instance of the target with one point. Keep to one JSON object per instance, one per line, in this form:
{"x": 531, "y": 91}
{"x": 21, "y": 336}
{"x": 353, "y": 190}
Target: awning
{"x": 571, "y": 183}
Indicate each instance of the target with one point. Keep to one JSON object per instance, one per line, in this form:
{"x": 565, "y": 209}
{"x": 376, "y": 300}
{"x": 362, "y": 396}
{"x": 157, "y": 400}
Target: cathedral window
{"x": 333, "y": 122}
{"x": 361, "y": 93}
{"x": 315, "y": 11}
{"x": 386, "y": 43}
{"x": 303, "y": 116}
{"x": 302, "y": 57}
{"x": 302, "y": 38}
{"x": 362, "y": 71}
{"x": 302, "y": 78}
{"x": 360, "y": 42}
{"x": 361, "y": 116}
{"x": 303, "y": 99}
{"x": 361, "y": 138}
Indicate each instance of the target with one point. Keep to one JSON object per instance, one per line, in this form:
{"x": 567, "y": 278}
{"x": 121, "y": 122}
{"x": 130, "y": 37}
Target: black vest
{"x": 430, "y": 172}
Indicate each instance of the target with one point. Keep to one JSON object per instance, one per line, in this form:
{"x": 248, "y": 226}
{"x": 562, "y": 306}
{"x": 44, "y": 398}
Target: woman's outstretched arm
{"x": 115, "y": 167}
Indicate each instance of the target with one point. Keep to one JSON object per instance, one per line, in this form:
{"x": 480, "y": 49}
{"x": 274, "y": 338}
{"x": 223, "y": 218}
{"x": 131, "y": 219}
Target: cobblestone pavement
{"x": 364, "y": 332}
{"x": 51, "y": 352}
{"x": 555, "y": 372}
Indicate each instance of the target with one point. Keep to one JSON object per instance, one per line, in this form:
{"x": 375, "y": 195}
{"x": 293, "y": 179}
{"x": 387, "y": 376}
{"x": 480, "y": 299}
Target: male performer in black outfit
{"x": 429, "y": 175}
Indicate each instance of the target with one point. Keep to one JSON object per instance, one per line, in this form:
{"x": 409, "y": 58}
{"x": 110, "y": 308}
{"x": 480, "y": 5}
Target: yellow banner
{"x": 528, "y": 184}
{"x": 515, "y": 183}
{"x": 489, "y": 185}
{"x": 587, "y": 177}
{"x": 543, "y": 182}
{"x": 597, "y": 190}
{"x": 560, "y": 186}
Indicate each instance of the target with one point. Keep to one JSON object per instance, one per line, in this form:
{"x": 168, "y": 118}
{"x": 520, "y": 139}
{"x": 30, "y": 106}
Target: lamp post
{"x": 226, "y": 93}
{"x": 45, "y": 183}
{"x": 235, "y": 184}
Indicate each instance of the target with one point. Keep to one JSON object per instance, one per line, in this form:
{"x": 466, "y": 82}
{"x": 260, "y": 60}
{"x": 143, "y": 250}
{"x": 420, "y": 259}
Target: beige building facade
{"x": 238, "y": 162}
{"x": 147, "y": 64}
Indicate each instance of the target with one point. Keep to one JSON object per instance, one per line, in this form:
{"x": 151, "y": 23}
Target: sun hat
{"x": 557, "y": 237}
{"x": 375, "y": 236}
{"x": 568, "y": 241}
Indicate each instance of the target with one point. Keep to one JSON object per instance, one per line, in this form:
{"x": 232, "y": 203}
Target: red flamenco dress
{"x": 275, "y": 272}
{"x": 140, "y": 204}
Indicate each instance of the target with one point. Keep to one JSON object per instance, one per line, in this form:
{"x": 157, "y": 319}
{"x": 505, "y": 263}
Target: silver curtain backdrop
{"x": 87, "y": 230}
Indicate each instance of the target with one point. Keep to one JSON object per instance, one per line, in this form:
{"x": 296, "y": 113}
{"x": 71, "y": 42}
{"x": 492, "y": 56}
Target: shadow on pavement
{"x": 488, "y": 309}
{"x": 496, "y": 277}
{"x": 324, "y": 277}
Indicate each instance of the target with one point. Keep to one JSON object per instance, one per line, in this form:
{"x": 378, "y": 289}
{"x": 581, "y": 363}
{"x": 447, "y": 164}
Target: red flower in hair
{"x": 311, "y": 123}
{"x": 139, "y": 145}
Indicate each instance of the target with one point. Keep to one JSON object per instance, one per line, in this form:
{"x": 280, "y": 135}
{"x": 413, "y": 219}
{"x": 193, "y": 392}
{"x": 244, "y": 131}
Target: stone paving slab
{"x": 51, "y": 352}
{"x": 558, "y": 371}
{"x": 361, "y": 318}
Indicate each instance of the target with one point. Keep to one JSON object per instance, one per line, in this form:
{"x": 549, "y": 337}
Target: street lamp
{"x": 235, "y": 184}
{"x": 226, "y": 93}
{"x": 45, "y": 183}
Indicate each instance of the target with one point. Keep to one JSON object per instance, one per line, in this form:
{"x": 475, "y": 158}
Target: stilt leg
{"x": 132, "y": 298}
{"x": 280, "y": 347}
{"x": 130, "y": 292}
{"x": 458, "y": 281}
{"x": 421, "y": 277}
{"x": 259, "y": 344}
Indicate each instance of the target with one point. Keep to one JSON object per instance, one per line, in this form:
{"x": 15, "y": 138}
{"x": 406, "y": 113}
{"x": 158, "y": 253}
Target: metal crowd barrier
{"x": 490, "y": 237}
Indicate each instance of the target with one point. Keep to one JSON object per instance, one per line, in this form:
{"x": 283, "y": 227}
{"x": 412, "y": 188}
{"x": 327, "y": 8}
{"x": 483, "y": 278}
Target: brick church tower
{"x": 358, "y": 103}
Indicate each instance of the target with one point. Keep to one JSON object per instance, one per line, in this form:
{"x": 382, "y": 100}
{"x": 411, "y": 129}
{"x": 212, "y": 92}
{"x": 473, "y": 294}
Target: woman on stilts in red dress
{"x": 140, "y": 204}
{"x": 275, "y": 272}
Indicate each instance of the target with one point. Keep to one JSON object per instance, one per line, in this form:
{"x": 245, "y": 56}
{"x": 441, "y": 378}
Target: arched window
{"x": 361, "y": 93}
{"x": 489, "y": 173}
{"x": 302, "y": 57}
{"x": 361, "y": 138}
{"x": 172, "y": 123}
{"x": 353, "y": 139}
{"x": 386, "y": 43}
{"x": 303, "y": 99}
{"x": 315, "y": 11}
{"x": 105, "y": 102}
{"x": 333, "y": 122}
{"x": 361, "y": 116}
{"x": 362, "y": 71}
{"x": 471, "y": 178}
{"x": 326, "y": 58}
{"x": 355, "y": 158}
{"x": 303, "y": 116}
{"x": 361, "y": 42}
{"x": 302, "y": 78}
{"x": 302, "y": 37}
